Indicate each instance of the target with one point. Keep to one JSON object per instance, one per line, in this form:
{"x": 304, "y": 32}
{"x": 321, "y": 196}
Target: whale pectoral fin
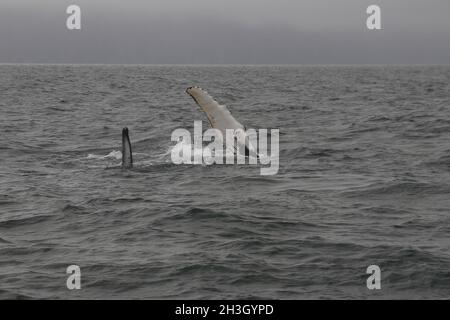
{"x": 218, "y": 115}
{"x": 221, "y": 118}
{"x": 127, "y": 154}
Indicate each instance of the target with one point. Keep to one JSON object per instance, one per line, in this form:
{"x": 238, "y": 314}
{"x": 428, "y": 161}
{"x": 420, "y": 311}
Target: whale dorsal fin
{"x": 127, "y": 154}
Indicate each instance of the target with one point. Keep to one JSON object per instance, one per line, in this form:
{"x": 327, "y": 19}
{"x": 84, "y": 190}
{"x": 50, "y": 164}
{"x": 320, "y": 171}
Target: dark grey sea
{"x": 364, "y": 180}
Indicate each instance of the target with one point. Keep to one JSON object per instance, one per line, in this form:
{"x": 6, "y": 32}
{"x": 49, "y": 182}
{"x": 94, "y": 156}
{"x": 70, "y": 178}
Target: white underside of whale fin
{"x": 219, "y": 116}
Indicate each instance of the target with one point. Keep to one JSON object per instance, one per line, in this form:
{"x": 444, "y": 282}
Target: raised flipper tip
{"x": 127, "y": 154}
{"x": 188, "y": 90}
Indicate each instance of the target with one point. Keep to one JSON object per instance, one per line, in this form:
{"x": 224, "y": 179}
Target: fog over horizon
{"x": 225, "y": 32}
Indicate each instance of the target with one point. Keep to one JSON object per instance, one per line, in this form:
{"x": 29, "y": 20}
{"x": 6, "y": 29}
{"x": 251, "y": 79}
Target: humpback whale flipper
{"x": 220, "y": 117}
{"x": 127, "y": 154}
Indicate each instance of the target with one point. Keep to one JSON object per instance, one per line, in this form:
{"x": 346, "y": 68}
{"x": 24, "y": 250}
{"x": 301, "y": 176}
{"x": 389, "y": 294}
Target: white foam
{"x": 112, "y": 155}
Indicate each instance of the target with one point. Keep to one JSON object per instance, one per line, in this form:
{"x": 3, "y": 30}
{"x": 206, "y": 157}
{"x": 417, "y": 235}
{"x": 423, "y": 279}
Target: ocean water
{"x": 364, "y": 179}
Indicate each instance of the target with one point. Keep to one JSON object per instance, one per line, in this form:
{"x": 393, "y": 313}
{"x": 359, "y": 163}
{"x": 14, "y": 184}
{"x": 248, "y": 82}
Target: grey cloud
{"x": 232, "y": 31}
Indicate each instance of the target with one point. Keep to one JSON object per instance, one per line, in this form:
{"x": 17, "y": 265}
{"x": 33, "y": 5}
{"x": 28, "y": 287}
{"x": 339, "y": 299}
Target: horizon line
{"x": 222, "y": 64}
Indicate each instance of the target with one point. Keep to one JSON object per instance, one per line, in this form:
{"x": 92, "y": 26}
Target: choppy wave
{"x": 364, "y": 179}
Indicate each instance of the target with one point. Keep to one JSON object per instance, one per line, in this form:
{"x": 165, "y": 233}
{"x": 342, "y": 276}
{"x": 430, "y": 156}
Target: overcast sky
{"x": 225, "y": 31}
